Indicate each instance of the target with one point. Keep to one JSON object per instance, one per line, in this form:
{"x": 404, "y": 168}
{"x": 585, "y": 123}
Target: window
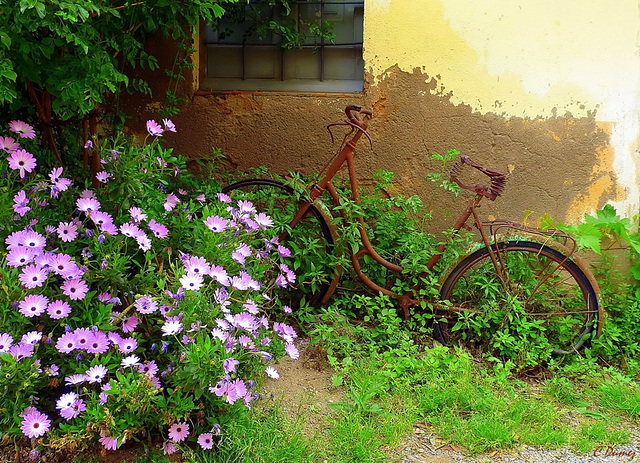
{"x": 249, "y": 53}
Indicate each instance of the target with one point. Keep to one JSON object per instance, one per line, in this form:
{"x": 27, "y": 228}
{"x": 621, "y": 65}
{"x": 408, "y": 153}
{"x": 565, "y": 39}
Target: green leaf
{"x": 608, "y": 218}
{"x": 5, "y": 39}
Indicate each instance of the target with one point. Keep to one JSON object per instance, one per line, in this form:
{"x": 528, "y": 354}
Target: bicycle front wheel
{"x": 316, "y": 274}
{"x": 520, "y": 288}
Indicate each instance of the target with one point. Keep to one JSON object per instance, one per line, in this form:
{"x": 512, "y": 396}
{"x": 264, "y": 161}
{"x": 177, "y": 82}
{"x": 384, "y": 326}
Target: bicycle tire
{"x": 316, "y": 278}
{"x": 553, "y": 290}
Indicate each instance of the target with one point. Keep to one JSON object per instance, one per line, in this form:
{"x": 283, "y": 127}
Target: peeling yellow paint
{"x": 517, "y": 58}
{"x": 589, "y": 201}
{"x": 603, "y": 181}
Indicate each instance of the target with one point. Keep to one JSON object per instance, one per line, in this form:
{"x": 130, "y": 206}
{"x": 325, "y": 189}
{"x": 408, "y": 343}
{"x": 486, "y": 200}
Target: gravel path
{"x": 425, "y": 447}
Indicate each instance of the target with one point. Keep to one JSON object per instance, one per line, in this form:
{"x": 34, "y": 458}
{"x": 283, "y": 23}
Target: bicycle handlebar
{"x": 353, "y": 113}
{"x": 498, "y": 179}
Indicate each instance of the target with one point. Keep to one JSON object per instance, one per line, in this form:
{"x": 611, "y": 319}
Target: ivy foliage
{"x": 77, "y": 50}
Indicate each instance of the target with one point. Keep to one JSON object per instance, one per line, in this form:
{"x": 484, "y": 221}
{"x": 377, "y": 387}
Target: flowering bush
{"x": 132, "y": 310}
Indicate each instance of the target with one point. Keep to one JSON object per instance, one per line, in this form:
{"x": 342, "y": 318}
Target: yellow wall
{"x": 533, "y": 59}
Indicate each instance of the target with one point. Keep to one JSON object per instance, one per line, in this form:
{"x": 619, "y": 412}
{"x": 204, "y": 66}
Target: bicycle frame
{"x": 346, "y": 156}
{"x": 485, "y": 229}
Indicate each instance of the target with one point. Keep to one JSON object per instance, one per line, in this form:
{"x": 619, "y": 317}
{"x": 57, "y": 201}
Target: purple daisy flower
{"x": 96, "y": 373}
{"x": 292, "y": 351}
{"x": 263, "y": 220}
{"x": 206, "y": 440}
{"x": 63, "y": 265}
{"x": 75, "y": 288}
{"x": 103, "y": 176}
{"x": 154, "y": 129}
{"x": 129, "y": 324}
{"x": 224, "y": 198}
{"x": 35, "y": 424}
{"x": 45, "y": 261}
{"x": 246, "y": 207}
{"x": 82, "y": 337}
{"x": 22, "y": 128}
{"x": 170, "y": 202}
{"x": 271, "y": 372}
{"x": 286, "y": 332}
{"x": 72, "y": 411}
{"x": 32, "y": 337}
{"x": 66, "y": 400}
{"x": 245, "y": 321}
{"x": 88, "y": 205}
{"x": 144, "y": 242}
{"x": 67, "y": 231}
{"x": 281, "y": 281}
{"x": 159, "y": 230}
{"x": 291, "y": 276}
{"x": 127, "y": 345}
{"x": 8, "y": 144}
{"x": 6, "y": 341}
{"x": 179, "y": 431}
{"x": 21, "y": 203}
{"x": 149, "y": 368}
{"x": 168, "y": 125}
{"x": 243, "y": 281}
{"x": 220, "y": 275}
{"x": 15, "y": 239}
{"x": 146, "y": 305}
{"x": 197, "y": 265}
{"x": 169, "y": 448}
{"x": 192, "y": 281}
{"x": 131, "y": 230}
{"x": 137, "y": 215}
{"x": 20, "y": 256}
{"x": 108, "y": 442}
{"x": 75, "y": 379}
{"x": 58, "y": 309}
{"x": 283, "y": 252}
{"x": 58, "y": 183}
{"x": 67, "y": 343}
{"x": 241, "y": 253}
{"x": 235, "y": 390}
{"x": 171, "y": 327}
{"x": 33, "y": 305}
{"x": 21, "y": 160}
{"x": 130, "y": 361}
{"x": 100, "y": 218}
{"x": 229, "y": 365}
{"x": 20, "y": 351}
{"x": 98, "y": 343}
{"x": 32, "y": 240}
{"x": 216, "y": 224}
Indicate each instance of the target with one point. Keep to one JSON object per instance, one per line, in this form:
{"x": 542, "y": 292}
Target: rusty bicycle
{"x": 512, "y": 272}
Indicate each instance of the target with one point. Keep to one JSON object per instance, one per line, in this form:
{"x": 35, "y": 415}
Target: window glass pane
{"x": 343, "y": 63}
{"x": 302, "y": 64}
{"x": 224, "y": 62}
{"x": 262, "y": 63}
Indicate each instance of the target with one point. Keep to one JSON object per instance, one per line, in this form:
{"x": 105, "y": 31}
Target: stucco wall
{"x": 549, "y": 88}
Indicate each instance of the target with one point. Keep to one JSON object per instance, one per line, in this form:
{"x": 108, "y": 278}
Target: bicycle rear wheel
{"x": 317, "y": 274}
{"x": 538, "y": 292}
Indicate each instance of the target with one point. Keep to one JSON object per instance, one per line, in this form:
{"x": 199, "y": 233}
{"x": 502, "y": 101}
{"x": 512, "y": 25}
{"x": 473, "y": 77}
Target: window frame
{"x": 280, "y": 83}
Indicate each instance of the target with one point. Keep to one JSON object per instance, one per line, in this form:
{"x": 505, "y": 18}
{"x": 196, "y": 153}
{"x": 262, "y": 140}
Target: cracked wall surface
{"x": 548, "y": 90}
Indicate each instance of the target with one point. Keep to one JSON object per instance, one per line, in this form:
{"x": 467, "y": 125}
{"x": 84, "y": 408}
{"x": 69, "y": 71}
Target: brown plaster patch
{"x": 563, "y": 164}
